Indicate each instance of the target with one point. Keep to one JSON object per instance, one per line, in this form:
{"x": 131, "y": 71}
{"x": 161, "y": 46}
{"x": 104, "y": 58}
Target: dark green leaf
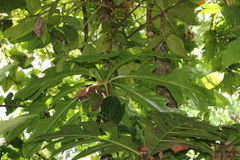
{"x": 112, "y": 109}
{"x": 95, "y": 57}
{"x": 29, "y": 148}
{"x": 73, "y": 22}
{"x": 158, "y": 132}
{"x": 231, "y": 12}
{"x": 7, "y": 6}
{"x": 184, "y": 13}
{"x": 120, "y": 38}
{"x": 87, "y": 132}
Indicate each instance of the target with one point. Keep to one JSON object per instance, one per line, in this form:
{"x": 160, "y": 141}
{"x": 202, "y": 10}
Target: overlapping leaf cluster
{"x": 106, "y": 49}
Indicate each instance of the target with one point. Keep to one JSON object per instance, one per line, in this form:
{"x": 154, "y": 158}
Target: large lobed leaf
{"x": 163, "y": 131}
{"x": 150, "y": 102}
{"x": 105, "y": 134}
{"x": 178, "y": 82}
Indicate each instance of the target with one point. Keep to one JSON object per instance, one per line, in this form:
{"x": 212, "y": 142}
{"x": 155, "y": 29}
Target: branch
{"x": 158, "y": 15}
{"x": 85, "y": 21}
{"x": 126, "y": 16}
{"x": 13, "y": 106}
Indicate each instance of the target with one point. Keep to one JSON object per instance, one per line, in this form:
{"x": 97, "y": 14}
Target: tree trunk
{"x": 163, "y": 64}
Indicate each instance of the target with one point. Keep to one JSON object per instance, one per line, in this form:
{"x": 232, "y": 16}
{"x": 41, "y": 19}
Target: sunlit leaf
{"x": 4, "y": 70}
{"x": 211, "y": 8}
{"x": 24, "y": 27}
{"x": 212, "y": 80}
{"x": 12, "y": 123}
{"x": 221, "y": 100}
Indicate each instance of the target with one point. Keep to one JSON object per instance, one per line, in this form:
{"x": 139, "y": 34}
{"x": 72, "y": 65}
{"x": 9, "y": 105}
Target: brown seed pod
{"x": 39, "y": 27}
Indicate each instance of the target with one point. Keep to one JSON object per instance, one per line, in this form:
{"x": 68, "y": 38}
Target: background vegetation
{"x": 119, "y": 79}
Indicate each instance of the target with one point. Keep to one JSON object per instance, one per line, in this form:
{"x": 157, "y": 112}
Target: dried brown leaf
{"x": 82, "y": 92}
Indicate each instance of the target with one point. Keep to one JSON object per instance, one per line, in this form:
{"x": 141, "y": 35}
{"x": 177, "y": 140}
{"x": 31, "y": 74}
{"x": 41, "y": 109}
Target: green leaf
{"x": 155, "y": 11}
{"x": 36, "y": 86}
{"x": 7, "y": 84}
{"x": 50, "y": 124}
{"x": 153, "y": 42}
{"x": 33, "y": 5}
{"x": 118, "y": 2}
{"x": 89, "y": 49}
{"x": 175, "y": 44}
{"x": 229, "y": 83}
{"x": 150, "y": 102}
{"x": 120, "y": 38}
{"x": 12, "y": 123}
{"x": 30, "y": 123}
{"x": 4, "y": 70}
{"x": 212, "y": 80}
{"x": 125, "y": 58}
{"x": 221, "y": 101}
{"x": 178, "y": 82}
{"x": 64, "y": 90}
{"x": 184, "y": 13}
{"x": 112, "y": 109}
{"x": 231, "y": 54}
{"x": 7, "y": 6}
{"x": 29, "y": 148}
{"x": 71, "y": 33}
{"x": 161, "y": 127}
{"x": 231, "y": 12}
{"x": 24, "y": 27}
{"x": 59, "y": 65}
{"x": 101, "y": 45}
{"x": 72, "y": 21}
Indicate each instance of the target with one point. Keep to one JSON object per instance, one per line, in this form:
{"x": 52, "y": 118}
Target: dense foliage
{"x": 119, "y": 79}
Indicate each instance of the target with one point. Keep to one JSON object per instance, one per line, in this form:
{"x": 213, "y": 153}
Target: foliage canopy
{"x": 119, "y": 79}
